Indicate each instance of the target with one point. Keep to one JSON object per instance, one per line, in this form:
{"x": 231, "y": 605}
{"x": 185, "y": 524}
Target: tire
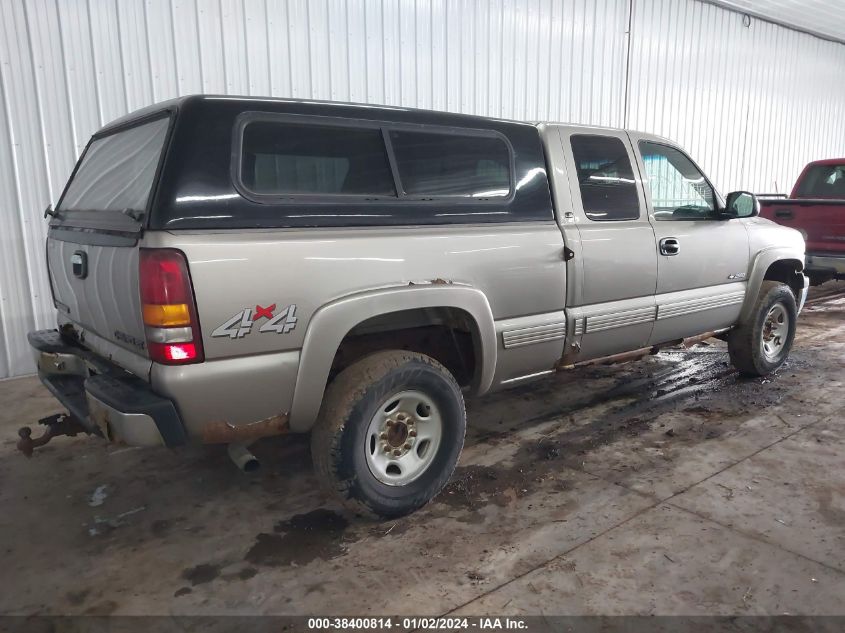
{"x": 761, "y": 344}
{"x": 379, "y": 475}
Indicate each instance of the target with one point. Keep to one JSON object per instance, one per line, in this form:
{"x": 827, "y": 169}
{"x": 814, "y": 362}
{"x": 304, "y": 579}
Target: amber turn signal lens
{"x": 172, "y": 315}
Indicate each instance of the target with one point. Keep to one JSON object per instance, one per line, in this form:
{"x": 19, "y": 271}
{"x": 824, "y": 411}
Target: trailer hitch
{"x": 58, "y": 424}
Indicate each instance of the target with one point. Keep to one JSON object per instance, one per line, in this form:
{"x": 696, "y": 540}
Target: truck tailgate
{"x": 103, "y": 298}
{"x": 822, "y": 221}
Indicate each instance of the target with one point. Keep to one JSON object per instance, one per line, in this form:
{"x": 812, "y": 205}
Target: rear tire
{"x": 761, "y": 344}
{"x": 389, "y": 434}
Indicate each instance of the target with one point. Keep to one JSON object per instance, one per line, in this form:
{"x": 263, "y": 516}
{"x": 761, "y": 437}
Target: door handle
{"x": 783, "y": 213}
{"x": 670, "y": 246}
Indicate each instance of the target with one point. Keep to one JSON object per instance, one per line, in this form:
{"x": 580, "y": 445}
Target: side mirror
{"x": 741, "y": 204}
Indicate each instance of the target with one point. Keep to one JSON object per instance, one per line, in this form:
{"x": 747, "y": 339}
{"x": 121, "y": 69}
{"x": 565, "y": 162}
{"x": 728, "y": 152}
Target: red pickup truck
{"x": 816, "y": 207}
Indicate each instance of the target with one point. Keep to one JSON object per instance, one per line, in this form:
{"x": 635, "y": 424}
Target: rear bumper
{"x": 106, "y": 400}
{"x": 825, "y": 263}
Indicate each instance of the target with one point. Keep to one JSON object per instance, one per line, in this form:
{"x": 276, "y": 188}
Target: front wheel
{"x": 389, "y": 434}
{"x": 761, "y": 344}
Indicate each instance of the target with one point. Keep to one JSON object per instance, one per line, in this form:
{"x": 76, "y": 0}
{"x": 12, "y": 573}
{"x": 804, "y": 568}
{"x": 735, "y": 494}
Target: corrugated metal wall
{"x": 752, "y": 104}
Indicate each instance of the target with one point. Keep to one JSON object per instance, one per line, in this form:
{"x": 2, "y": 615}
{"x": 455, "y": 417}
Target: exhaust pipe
{"x": 243, "y": 459}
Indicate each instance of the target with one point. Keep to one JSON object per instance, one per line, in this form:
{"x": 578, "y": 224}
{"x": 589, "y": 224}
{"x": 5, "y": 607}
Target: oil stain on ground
{"x": 201, "y": 574}
{"x": 300, "y": 540}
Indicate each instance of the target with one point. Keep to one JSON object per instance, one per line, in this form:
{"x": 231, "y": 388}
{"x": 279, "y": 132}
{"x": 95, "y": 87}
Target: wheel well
{"x": 449, "y": 335}
{"x": 787, "y": 271}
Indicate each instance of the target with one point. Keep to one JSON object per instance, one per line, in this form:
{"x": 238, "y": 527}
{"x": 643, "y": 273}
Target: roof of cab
{"x": 600, "y": 129}
{"x": 827, "y": 161}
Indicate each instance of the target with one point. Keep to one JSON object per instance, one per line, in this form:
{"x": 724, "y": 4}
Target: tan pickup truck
{"x": 226, "y": 269}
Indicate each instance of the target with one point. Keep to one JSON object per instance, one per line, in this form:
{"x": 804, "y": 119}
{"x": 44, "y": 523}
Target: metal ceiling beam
{"x": 760, "y": 15}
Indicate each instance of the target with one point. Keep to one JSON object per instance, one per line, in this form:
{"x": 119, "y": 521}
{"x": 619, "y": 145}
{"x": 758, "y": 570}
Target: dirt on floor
{"x": 665, "y": 486}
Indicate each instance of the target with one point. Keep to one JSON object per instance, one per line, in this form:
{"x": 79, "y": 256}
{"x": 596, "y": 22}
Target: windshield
{"x": 117, "y": 171}
{"x": 822, "y": 181}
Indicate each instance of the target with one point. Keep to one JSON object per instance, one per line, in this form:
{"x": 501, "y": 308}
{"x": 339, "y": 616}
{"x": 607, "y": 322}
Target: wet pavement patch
{"x": 160, "y": 527}
{"x": 201, "y": 574}
{"x": 473, "y": 486}
{"x": 694, "y": 384}
{"x": 247, "y": 572}
{"x": 300, "y": 540}
{"x": 77, "y": 597}
{"x": 394, "y": 529}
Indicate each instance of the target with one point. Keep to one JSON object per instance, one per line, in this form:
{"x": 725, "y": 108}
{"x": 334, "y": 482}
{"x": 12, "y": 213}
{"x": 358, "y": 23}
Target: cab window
{"x": 822, "y": 181}
{"x": 605, "y": 178}
{"x": 679, "y": 191}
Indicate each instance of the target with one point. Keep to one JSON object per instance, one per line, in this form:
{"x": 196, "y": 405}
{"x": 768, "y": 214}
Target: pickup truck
{"x": 230, "y": 268}
{"x": 816, "y": 207}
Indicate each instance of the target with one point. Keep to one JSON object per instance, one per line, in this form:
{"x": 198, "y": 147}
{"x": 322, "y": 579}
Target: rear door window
{"x": 281, "y": 158}
{"x": 605, "y": 178}
{"x": 117, "y": 171}
{"x": 435, "y": 164}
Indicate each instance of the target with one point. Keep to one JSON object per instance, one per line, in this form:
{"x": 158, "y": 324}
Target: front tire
{"x": 389, "y": 434}
{"x": 761, "y": 344}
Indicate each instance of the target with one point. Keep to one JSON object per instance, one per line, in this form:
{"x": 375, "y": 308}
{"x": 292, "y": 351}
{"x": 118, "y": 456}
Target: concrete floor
{"x": 667, "y": 486}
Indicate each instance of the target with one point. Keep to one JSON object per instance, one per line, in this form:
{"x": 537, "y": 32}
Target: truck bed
{"x": 822, "y": 223}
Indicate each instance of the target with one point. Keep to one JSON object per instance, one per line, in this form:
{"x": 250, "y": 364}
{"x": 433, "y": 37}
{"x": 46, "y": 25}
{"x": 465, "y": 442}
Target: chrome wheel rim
{"x": 403, "y": 437}
{"x": 775, "y": 331}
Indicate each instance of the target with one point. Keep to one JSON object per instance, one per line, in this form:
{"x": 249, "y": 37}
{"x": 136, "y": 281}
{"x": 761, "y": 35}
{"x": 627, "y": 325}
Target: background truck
{"x": 226, "y": 269}
{"x": 816, "y": 207}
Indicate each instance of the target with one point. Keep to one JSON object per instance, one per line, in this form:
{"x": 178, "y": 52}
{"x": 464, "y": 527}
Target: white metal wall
{"x": 752, "y": 104}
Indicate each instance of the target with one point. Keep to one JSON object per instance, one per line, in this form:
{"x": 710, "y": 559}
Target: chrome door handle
{"x": 670, "y": 246}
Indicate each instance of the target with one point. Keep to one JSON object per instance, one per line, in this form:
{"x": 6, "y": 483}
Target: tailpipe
{"x": 243, "y": 458}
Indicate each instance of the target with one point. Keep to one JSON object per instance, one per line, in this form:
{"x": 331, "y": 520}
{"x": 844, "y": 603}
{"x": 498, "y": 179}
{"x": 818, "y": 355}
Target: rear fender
{"x": 330, "y": 324}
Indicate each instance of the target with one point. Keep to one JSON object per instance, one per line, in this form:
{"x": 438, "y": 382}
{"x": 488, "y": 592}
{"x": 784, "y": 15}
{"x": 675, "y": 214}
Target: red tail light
{"x": 168, "y": 307}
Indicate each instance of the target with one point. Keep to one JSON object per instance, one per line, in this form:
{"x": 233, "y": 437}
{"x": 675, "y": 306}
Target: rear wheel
{"x": 761, "y": 344}
{"x": 389, "y": 434}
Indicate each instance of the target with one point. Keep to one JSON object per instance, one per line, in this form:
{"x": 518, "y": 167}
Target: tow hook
{"x": 58, "y": 424}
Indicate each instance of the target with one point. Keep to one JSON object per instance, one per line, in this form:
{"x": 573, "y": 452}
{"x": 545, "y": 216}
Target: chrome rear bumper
{"x": 830, "y": 264}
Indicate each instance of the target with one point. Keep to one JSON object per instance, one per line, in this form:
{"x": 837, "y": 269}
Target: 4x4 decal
{"x": 241, "y": 323}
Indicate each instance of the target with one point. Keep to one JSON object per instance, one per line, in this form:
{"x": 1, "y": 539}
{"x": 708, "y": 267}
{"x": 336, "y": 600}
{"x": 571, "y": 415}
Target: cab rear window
{"x": 117, "y": 171}
{"x": 822, "y": 181}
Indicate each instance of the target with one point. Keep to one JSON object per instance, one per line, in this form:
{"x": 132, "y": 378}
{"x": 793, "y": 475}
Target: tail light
{"x": 168, "y": 307}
